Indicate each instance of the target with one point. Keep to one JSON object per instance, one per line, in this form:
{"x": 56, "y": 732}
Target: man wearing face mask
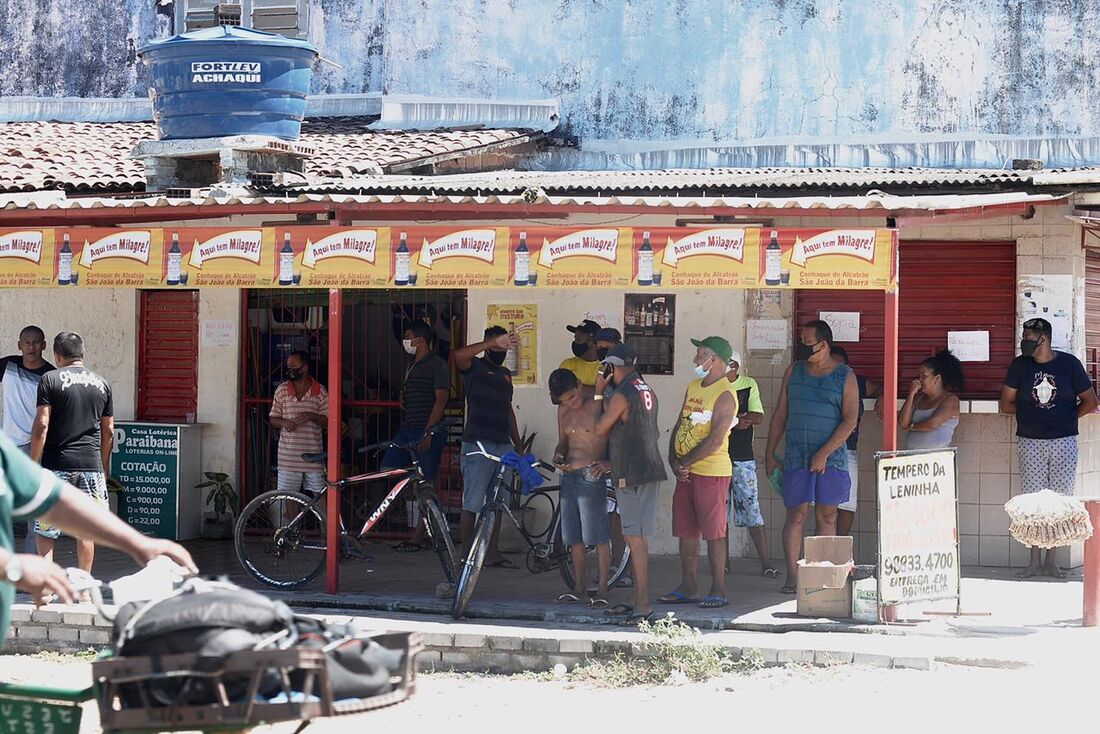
{"x": 699, "y": 456}
{"x": 630, "y": 419}
{"x": 424, "y": 396}
{"x": 491, "y": 420}
{"x": 584, "y": 362}
{"x": 299, "y": 410}
{"x": 817, "y": 412}
{"x": 1048, "y": 392}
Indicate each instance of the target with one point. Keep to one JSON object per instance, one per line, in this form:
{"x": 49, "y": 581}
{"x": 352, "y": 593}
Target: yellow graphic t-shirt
{"x": 695, "y": 426}
{"x": 585, "y": 371}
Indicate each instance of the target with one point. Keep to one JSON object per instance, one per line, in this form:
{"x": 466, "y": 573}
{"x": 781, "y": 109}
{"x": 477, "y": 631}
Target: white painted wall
{"x": 698, "y": 314}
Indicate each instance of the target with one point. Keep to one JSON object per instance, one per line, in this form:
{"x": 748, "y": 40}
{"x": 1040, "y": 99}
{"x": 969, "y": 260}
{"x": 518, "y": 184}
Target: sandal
{"x": 569, "y": 599}
{"x": 620, "y": 610}
{"x": 597, "y": 603}
{"x": 714, "y": 601}
{"x": 637, "y": 618}
{"x": 770, "y": 572}
{"x": 677, "y": 597}
{"x": 406, "y": 547}
{"x": 790, "y": 589}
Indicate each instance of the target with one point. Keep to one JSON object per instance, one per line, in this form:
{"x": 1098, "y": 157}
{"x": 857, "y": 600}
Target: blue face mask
{"x": 701, "y": 369}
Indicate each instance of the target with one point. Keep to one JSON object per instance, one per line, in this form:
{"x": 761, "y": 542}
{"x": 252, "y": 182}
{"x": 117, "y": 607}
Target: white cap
{"x": 735, "y": 356}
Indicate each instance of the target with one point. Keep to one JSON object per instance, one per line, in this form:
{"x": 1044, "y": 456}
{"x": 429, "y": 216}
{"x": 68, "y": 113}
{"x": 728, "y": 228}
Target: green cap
{"x": 716, "y": 344}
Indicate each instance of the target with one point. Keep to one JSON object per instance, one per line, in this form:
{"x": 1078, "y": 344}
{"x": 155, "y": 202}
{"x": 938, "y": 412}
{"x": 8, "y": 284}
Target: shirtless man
{"x": 582, "y": 457}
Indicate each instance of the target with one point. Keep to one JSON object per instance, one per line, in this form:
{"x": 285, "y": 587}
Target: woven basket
{"x": 1047, "y": 519}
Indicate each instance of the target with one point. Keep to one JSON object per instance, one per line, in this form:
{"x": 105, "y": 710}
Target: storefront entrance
{"x": 277, "y": 322}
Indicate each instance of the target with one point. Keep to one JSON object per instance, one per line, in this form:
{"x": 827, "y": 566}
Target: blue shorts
{"x": 584, "y": 517}
{"x": 478, "y": 473}
{"x": 802, "y": 485}
{"x": 395, "y": 458}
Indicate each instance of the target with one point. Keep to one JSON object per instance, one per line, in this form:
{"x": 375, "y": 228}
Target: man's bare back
{"x": 578, "y": 426}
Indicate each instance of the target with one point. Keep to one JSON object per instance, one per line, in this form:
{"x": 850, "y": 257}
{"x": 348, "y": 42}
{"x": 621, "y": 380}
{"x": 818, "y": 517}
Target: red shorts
{"x": 699, "y": 507}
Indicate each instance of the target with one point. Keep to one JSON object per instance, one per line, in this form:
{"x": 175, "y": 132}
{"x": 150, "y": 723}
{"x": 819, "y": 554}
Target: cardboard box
{"x": 825, "y": 590}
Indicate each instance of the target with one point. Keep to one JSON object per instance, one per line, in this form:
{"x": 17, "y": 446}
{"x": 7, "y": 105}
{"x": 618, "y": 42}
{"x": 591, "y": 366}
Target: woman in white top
{"x": 931, "y": 410}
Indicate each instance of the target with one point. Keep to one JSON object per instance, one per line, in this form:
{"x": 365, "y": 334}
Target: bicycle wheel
{"x": 568, "y": 574}
{"x": 475, "y": 559}
{"x": 280, "y": 540}
{"x": 440, "y": 533}
{"x": 538, "y": 513}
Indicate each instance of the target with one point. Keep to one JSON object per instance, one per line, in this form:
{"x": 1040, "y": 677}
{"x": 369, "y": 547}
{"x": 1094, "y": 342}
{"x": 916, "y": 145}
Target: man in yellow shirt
{"x": 584, "y": 363}
{"x": 699, "y": 457}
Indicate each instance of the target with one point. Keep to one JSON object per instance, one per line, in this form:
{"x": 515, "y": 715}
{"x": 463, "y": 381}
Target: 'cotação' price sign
{"x": 146, "y": 461}
{"x": 917, "y": 526}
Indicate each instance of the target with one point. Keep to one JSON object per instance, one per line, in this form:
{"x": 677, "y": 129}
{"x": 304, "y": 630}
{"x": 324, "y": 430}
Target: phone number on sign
{"x": 914, "y": 563}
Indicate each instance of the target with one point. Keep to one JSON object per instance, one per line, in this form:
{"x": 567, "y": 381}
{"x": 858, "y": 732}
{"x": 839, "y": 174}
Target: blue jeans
{"x": 584, "y": 517}
{"x": 478, "y": 473}
{"x": 396, "y": 458}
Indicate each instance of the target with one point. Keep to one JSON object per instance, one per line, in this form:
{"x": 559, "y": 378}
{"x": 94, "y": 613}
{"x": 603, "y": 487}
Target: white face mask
{"x": 408, "y": 346}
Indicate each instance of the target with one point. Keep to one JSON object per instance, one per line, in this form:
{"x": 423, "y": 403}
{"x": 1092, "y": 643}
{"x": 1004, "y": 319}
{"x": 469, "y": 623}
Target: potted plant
{"x": 115, "y": 489}
{"x": 218, "y": 525}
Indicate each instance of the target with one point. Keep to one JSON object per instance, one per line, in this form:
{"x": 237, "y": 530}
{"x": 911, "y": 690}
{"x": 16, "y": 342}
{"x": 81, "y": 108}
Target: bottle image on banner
{"x": 645, "y": 261}
{"x": 65, "y": 262}
{"x": 773, "y": 261}
{"x": 286, "y": 262}
{"x": 511, "y": 358}
{"x": 401, "y": 262}
{"x": 175, "y": 257}
{"x": 522, "y": 261}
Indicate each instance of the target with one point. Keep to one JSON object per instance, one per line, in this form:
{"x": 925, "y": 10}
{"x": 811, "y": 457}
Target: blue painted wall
{"x": 652, "y": 69}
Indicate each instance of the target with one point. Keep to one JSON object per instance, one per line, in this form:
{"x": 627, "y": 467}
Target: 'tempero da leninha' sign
{"x": 220, "y": 72}
{"x": 918, "y": 526}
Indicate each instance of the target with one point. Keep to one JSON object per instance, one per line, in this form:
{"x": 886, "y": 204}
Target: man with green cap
{"x": 699, "y": 457}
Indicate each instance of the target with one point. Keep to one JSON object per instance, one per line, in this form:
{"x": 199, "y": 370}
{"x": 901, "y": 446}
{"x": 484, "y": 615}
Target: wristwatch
{"x": 14, "y": 572}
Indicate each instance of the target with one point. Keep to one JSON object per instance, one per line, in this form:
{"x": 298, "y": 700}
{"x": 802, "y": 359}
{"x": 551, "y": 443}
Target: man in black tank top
{"x": 630, "y": 419}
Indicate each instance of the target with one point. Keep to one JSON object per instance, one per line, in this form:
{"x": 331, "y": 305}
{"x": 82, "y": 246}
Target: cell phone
{"x": 607, "y": 370}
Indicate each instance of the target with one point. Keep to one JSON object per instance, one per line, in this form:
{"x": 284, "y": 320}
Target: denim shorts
{"x": 584, "y": 517}
{"x": 478, "y": 473}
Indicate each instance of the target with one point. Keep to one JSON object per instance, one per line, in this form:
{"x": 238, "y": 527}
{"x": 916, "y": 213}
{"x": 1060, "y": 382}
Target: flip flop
{"x": 1060, "y": 574}
{"x": 598, "y": 603}
{"x": 789, "y": 589}
{"x": 619, "y": 610}
{"x": 502, "y": 563}
{"x": 569, "y": 599}
{"x": 406, "y": 547}
{"x": 714, "y": 601}
{"x": 635, "y": 619}
{"x": 770, "y": 573}
{"x": 677, "y": 597}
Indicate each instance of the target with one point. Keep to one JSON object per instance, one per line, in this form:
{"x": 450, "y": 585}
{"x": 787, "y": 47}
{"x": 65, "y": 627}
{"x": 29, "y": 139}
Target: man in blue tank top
{"x": 817, "y": 412}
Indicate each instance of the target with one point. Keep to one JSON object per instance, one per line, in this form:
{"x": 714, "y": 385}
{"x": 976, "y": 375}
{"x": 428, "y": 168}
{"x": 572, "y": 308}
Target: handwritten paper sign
{"x": 969, "y": 346}
{"x": 219, "y": 333}
{"x": 845, "y": 325}
{"x": 767, "y": 334}
{"x": 918, "y": 526}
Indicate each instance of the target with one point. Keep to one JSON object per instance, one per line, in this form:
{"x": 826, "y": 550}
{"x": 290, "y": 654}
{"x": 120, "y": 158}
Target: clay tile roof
{"x": 92, "y": 157}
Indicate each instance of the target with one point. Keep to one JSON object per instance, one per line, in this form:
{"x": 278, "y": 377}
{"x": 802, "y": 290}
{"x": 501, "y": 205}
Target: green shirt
{"x": 27, "y": 491}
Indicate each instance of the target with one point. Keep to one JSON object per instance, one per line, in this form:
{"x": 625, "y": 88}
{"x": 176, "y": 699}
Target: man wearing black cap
{"x": 584, "y": 363}
{"x": 630, "y": 418}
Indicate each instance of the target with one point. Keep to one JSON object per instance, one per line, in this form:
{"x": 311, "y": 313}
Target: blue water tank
{"x": 229, "y": 81}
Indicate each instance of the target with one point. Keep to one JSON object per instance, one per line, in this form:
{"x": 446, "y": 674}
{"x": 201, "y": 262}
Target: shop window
{"x": 168, "y": 356}
{"x": 943, "y": 287}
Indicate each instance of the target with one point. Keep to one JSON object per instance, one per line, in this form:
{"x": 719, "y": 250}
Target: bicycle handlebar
{"x": 538, "y": 463}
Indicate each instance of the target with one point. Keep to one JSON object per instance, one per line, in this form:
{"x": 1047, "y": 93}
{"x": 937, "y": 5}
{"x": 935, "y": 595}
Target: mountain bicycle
{"x": 546, "y": 550}
{"x": 281, "y": 537}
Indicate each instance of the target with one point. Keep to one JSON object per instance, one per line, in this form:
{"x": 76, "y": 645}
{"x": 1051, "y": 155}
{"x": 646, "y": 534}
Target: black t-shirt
{"x": 740, "y": 444}
{"x": 1046, "y": 397}
{"x": 488, "y": 402}
{"x": 418, "y": 395}
{"x": 78, "y": 399}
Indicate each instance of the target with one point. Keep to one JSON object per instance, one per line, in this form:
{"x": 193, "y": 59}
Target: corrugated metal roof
{"x": 90, "y": 157}
{"x": 874, "y": 202}
{"x": 715, "y": 181}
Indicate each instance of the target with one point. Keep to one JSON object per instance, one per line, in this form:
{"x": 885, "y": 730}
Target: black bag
{"x": 357, "y": 667}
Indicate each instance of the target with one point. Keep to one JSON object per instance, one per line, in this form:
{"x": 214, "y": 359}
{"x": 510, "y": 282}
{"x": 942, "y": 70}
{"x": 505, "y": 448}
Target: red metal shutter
{"x": 168, "y": 356}
{"x": 944, "y": 286}
{"x": 1092, "y": 313}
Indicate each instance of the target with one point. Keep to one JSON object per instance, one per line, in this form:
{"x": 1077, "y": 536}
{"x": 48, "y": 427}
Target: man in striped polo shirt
{"x": 299, "y": 410}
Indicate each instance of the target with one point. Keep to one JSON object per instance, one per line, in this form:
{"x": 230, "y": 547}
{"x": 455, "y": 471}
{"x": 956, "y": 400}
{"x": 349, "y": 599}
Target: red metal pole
{"x": 335, "y": 360}
{"x": 1091, "y": 615}
{"x": 890, "y": 375}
